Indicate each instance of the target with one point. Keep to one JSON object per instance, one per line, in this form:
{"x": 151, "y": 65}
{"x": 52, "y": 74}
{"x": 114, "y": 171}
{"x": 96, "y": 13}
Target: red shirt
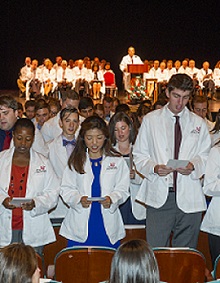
{"x": 17, "y": 188}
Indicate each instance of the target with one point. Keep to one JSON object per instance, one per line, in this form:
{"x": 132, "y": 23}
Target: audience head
{"x": 99, "y": 110}
{"x": 178, "y": 91}
{"x": 29, "y": 107}
{"x": 142, "y": 111}
{"x": 86, "y": 107}
{"x": 28, "y": 61}
{"x": 177, "y": 64}
{"x": 122, "y": 128}
{"x": 205, "y": 65}
{"x": 69, "y": 99}
{"x": 69, "y": 122}
{"x": 159, "y": 104}
{"x": 107, "y": 103}
{"x": 42, "y": 111}
{"x": 115, "y": 103}
{"x": 123, "y": 107}
{"x": 91, "y": 125}
{"x": 134, "y": 261}
{"x": 18, "y": 264}
{"x": 200, "y": 106}
{"x": 8, "y": 112}
{"x": 20, "y": 110}
{"x": 55, "y": 107}
{"x": 59, "y": 60}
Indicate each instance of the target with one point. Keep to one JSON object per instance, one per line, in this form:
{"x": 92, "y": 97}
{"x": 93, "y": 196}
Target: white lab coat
{"x": 58, "y": 158}
{"x": 154, "y": 145}
{"x": 43, "y": 187}
{"x": 114, "y": 181}
{"x": 138, "y": 209}
{"x": 124, "y": 63}
{"x": 211, "y": 220}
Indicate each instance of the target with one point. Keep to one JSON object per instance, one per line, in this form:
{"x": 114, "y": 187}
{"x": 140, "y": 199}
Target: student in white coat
{"x": 123, "y": 134}
{"x": 94, "y": 184}
{"x": 51, "y": 128}
{"x": 174, "y": 197}
{"x": 211, "y": 221}
{"x": 60, "y": 150}
{"x": 26, "y": 173}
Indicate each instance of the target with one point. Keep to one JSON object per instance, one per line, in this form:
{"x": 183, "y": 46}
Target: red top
{"x": 17, "y": 188}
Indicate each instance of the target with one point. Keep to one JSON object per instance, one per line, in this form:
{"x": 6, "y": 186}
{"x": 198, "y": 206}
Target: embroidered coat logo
{"x": 112, "y": 166}
{"x": 196, "y": 130}
{"x": 42, "y": 168}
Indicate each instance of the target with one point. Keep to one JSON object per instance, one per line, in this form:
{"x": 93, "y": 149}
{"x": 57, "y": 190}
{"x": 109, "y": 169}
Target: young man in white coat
{"x": 60, "y": 150}
{"x": 174, "y": 197}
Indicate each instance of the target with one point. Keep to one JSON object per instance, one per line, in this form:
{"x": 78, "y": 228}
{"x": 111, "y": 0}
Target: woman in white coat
{"x": 94, "y": 185}
{"x": 26, "y": 174}
{"x": 211, "y": 220}
{"x": 123, "y": 134}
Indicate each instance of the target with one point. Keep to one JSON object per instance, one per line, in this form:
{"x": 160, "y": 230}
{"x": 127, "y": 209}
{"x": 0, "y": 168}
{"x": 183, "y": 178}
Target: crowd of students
{"x": 84, "y": 168}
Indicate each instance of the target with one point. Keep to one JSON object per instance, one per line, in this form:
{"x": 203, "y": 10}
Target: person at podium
{"x": 131, "y": 58}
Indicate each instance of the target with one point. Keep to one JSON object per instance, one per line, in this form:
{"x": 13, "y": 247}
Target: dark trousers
{"x": 161, "y": 222}
{"x": 214, "y": 247}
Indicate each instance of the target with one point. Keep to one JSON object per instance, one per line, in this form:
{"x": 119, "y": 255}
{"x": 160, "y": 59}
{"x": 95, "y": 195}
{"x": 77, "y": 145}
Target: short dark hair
{"x": 180, "y": 81}
{"x": 85, "y": 102}
{"x": 107, "y": 99}
{"x": 69, "y": 94}
{"x": 29, "y": 103}
{"x": 199, "y": 99}
{"x": 9, "y": 101}
{"x": 69, "y": 111}
{"x": 40, "y": 104}
{"x": 20, "y": 106}
{"x": 24, "y": 123}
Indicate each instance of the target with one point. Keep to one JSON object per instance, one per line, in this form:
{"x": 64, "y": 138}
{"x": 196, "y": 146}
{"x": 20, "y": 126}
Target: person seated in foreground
{"x": 134, "y": 261}
{"x": 18, "y": 263}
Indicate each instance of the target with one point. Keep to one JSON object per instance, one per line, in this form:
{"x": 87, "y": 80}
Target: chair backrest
{"x": 109, "y": 78}
{"x": 83, "y": 264}
{"x": 217, "y": 268}
{"x": 180, "y": 265}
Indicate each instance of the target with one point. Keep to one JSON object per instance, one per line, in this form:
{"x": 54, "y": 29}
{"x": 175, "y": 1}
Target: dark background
{"x": 74, "y": 29}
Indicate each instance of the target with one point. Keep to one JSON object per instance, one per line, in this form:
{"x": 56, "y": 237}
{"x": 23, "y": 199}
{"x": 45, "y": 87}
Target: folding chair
{"x": 180, "y": 265}
{"x": 83, "y": 264}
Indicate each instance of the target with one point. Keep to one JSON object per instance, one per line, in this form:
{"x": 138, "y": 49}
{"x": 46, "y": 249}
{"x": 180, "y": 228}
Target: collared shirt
{"x": 3, "y": 136}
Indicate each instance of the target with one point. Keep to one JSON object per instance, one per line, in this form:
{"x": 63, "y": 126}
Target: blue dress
{"x": 96, "y": 230}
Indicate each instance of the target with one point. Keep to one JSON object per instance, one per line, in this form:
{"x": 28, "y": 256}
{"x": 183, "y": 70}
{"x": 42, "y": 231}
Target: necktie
{"x": 177, "y": 142}
{"x": 66, "y": 142}
{"x": 7, "y": 140}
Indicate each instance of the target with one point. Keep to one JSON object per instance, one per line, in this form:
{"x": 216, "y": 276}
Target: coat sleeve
{"x": 212, "y": 173}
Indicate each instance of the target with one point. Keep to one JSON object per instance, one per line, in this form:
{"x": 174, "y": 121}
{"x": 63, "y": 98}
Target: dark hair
{"x": 69, "y": 94}
{"x": 216, "y": 128}
{"x": 180, "y": 81}
{"x": 142, "y": 110}
{"x": 18, "y": 263}
{"x": 29, "y": 103}
{"x": 134, "y": 261}
{"x": 24, "y": 123}
{"x": 41, "y": 104}
{"x": 85, "y": 102}
{"x": 69, "y": 111}
{"x": 20, "y": 106}
{"x": 54, "y": 102}
{"x": 78, "y": 157}
{"x": 199, "y": 99}
{"x": 95, "y": 65}
{"x": 122, "y": 108}
{"x": 8, "y": 101}
{"x": 108, "y": 99}
{"x": 160, "y": 102}
{"x": 118, "y": 117}
{"x": 99, "y": 106}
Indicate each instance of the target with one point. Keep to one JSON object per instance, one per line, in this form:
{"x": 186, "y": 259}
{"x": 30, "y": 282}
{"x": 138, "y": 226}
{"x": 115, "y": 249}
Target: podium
{"x": 137, "y": 69}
